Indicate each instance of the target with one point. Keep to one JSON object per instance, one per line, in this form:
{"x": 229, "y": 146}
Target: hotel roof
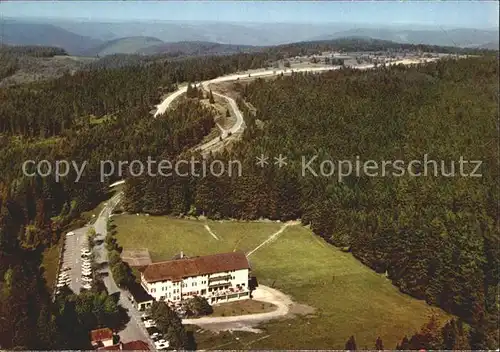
{"x": 176, "y": 270}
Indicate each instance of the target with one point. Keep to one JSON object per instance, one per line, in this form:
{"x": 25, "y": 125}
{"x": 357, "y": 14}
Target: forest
{"x": 93, "y": 115}
{"x": 435, "y": 237}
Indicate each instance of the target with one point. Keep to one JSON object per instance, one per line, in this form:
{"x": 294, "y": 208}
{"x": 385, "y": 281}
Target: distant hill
{"x": 454, "y": 37}
{"x": 203, "y": 31}
{"x": 128, "y": 45}
{"x": 13, "y": 32}
{"x": 196, "y": 48}
{"x": 104, "y": 38}
{"x": 490, "y": 46}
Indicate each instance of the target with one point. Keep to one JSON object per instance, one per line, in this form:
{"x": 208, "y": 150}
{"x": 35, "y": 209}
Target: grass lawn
{"x": 350, "y": 299}
{"x": 247, "y": 306}
{"x": 49, "y": 263}
{"x": 166, "y": 237}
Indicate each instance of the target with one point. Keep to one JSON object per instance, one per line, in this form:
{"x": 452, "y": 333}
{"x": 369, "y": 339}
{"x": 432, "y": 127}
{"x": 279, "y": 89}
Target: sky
{"x": 471, "y": 14}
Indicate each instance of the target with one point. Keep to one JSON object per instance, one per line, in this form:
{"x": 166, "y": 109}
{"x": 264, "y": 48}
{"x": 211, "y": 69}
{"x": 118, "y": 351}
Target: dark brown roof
{"x": 101, "y": 334}
{"x": 209, "y": 264}
{"x": 136, "y": 345}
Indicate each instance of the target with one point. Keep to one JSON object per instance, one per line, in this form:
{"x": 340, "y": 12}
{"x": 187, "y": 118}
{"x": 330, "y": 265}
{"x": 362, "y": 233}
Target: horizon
{"x": 477, "y": 15}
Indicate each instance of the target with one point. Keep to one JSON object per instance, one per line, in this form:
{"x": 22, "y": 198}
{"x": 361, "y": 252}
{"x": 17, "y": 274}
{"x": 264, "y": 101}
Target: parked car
{"x": 149, "y": 323}
{"x": 162, "y": 345}
{"x": 71, "y": 233}
{"x": 156, "y": 336}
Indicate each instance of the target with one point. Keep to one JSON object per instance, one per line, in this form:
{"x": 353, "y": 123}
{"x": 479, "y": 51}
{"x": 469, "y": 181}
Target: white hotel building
{"x": 219, "y": 278}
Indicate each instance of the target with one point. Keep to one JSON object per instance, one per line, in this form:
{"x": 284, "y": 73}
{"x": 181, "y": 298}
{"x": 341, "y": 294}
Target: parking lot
{"x": 73, "y": 265}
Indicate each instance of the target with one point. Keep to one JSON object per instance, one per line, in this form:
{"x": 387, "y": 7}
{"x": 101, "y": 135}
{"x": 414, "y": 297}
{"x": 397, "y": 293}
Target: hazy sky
{"x": 479, "y": 14}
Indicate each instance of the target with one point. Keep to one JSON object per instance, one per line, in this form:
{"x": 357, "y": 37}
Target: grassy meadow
{"x": 348, "y": 297}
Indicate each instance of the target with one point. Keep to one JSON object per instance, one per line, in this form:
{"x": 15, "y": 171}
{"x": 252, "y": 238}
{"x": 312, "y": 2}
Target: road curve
{"x": 162, "y": 107}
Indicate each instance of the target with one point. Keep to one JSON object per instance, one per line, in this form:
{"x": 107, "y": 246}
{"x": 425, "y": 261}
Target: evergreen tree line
{"x": 365, "y": 45}
{"x": 50, "y": 108}
{"x": 47, "y": 205}
{"x": 435, "y": 237}
{"x": 31, "y": 50}
{"x": 454, "y": 335}
{"x": 29, "y": 320}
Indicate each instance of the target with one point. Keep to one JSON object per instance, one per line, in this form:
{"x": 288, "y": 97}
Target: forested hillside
{"x": 435, "y": 237}
{"x": 91, "y": 116}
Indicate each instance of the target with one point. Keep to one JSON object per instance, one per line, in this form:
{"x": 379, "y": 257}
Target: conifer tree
{"x": 211, "y": 97}
{"x": 350, "y": 345}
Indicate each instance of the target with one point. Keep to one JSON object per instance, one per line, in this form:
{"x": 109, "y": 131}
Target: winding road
{"x": 240, "y": 123}
{"x": 162, "y": 107}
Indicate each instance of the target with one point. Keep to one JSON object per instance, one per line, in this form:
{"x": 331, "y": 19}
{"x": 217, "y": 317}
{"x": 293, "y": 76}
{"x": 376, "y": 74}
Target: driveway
{"x": 135, "y": 329}
{"x": 248, "y": 322}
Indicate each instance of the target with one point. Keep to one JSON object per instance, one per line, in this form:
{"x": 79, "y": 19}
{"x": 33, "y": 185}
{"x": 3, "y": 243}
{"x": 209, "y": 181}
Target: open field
{"x": 350, "y": 299}
{"x": 49, "y": 263}
{"x": 166, "y": 237}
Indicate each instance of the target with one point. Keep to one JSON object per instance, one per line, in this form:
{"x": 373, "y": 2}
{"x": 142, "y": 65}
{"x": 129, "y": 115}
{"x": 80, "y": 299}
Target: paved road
{"x": 237, "y": 127}
{"x": 135, "y": 329}
{"x": 215, "y": 143}
{"x": 162, "y": 107}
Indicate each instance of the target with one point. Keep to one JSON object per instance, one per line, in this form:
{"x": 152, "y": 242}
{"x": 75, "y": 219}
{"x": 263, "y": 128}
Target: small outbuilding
{"x": 101, "y": 337}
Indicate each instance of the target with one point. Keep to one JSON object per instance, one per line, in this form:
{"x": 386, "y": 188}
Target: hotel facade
{"x": 219, "y": 278}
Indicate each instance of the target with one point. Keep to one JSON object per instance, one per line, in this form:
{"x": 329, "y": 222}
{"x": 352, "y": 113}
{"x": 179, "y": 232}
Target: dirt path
{"x": 211, "y": 232}
{"x": 249, "y": 321}
{"x": 274, "y": 236}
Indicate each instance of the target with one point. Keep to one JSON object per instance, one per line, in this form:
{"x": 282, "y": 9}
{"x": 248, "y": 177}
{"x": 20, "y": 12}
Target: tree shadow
{"x": 122, "y": 319}
{"x": 191, "y": 341}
